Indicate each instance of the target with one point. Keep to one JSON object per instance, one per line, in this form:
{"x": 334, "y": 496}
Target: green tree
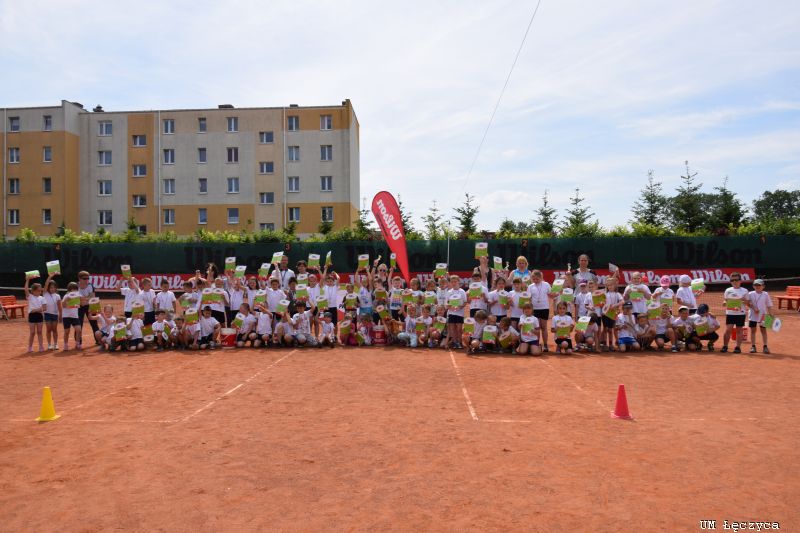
{"x": 777, "y": 205}
{"x": 433, "y": 222}
{"x": 465, "y": 215}
{"x": 724, "y": 210}
{"x": 577, "y": 223}
{"x": 687, "y": 205}
{"x": 652, "y": 206}
{"x": 546, "y": 219}
{"x": 364, "y": 230}
{"x": 325, "y": 227}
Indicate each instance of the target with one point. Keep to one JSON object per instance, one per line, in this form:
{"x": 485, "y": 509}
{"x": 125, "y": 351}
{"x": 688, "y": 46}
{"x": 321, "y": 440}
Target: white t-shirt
{"x": 759, "y": 303}
{"x": 494, "y": 304}
{"x": 662, "y": 324}
{"x": 528, "y": 337}
{"x": 67, "y": 312}
{"x": 105, "y": 324}
{"x": 627, "y": 323}
{"x": 264, "y": 324}
{"x": 147, "y": 297}
{"x": 740, "y": 293}
{"x": 331, "y": 294}
{"x": 613, "y": 298}
{"x": 51, "y": 300}
{"x": 540, "y": 295}
{"x": 165, "y": 300}
{"x": 661, "y": 292}
{"x": 687, "y": 325}
{"x": 207, "y": 325}
{"x": 456, "y": 294}
{"x": 480, "y": 303}
{"x": 327, "y": 329}
{"x": 248, "y": 324}
{"x": 639, "y": 304}
{"x": 135, "y": 328}
{"x": 236, "y": 298}
{"x": 284, "y": 276}
{"x": 130, "y": 296}
{"x": 364, "y": 297}
{"x": 35, "y": 304}
{"x": 302, "y": 322}
{"x": 713, "y": 323}
{"x": 411, "y": 325}
{"x": 686, "y": 296}
{"x": 273, "y": 297}
{"x": 583, "y": 300}
{"x": 562, "y": 321}
{"x": 513, "y": 304}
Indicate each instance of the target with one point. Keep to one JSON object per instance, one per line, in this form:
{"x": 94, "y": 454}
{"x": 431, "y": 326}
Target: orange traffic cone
{"x": 48, "y": 410}
{"x": 621, "y": 409}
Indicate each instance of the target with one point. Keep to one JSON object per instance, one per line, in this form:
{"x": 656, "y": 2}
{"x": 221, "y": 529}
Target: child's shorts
{"x": 608, "y": 322}
{"x": 69, "y": 322}
{"x": 241, "y": 337}
{"x": 455, "y": 319}
{"x": 149, "y": 317}
{"x": 736, "y": 320}
{"x": 206, "y": 339}
{"x": 662, "y": 336}
{"x": 49, "y": 317}
{"x": 754, "y": 324}
{"x": 530, "y": 343}
{"x": 626, "y": 341}
{"x": 136, "y": 342}
{"x": 565, "y": 339}
{"x": 35, "y": 318}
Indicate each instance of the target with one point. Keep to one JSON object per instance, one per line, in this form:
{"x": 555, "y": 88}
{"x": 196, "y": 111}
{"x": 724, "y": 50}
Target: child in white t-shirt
{"x": 135, "y": 337}
{"x": 166, "y": 298}
{"x": 35, "y": 313}
{"x": 626, "y": 332}
{"x": 637, "y": 293}
{"x": 52, "y": 312}
{"x": 408, "y": 337}
{"x": 685, "y": 295}
{"x": 582, "y": 305}
{"x": 736, "y": 301}
{"x": 263, "y": 328}
{"x": 301, "y": 321}
{"x": 529, "y": 332}
{"x": 562, "y": 328}
{"x": 663, "y": 328}
{"x": 645, "y": 332}
{"x": 760, "y": 306}
{"x": 327, "y": 330}
{"x": 209, "y": 329}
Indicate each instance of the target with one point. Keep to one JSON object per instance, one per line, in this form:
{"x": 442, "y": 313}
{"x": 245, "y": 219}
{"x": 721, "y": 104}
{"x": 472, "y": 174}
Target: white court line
{"x": 571, "y": 382}
{"x": 472, "y": 412}
{"x": 237, "y": 387}
{"x": 506, "y": 421}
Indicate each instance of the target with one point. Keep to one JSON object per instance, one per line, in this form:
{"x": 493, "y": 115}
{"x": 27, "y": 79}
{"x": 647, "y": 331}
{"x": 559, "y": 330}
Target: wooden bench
{"x": 10, "y": 306}
{"x": 792, "y": 295}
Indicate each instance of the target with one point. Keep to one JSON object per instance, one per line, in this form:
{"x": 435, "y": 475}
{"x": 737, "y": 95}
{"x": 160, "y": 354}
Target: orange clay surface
{"x": 397, "y": 439}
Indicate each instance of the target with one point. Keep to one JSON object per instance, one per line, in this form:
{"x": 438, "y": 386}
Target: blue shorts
{"x": 626, "y": 341}
{"x": 365, "y": 311}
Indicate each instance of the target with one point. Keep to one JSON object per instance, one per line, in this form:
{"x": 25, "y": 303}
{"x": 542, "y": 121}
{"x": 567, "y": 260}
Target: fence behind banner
{"x": 767, "y": 256}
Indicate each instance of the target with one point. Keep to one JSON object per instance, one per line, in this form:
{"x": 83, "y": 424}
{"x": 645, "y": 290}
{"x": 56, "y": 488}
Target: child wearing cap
{"x": 760, "y": 305}
{"x": 711, "y": 332}
{"x": 685, "y": 295}
{"x": 626, "y": 333}
{"x": 735, "y": 301}
{"x": 664, "y": 293}
{"x": 582, "y": 305}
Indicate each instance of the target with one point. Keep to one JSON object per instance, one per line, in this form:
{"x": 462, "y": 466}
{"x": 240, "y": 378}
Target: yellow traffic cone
{"x": 48, "y": 411}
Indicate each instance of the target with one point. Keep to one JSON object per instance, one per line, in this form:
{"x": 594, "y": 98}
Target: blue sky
{"x": 602, "y": 92}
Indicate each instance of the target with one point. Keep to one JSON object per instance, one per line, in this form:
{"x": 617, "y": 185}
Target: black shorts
{"x": 128, "y": 314}
{"x": 35, "y": 318}
{"x": 149, "y": 317}
{"x": 736, "y": 320}
{"x": 395, "y": 314}
{"x": 220, "y": 316}
{"x": 473, "y": 312}
{"x": 205, "y": 340}
{"x": 136, "y": 342}
{"x": 241, "y": 337}
{"x": 334, "y": 311}
{"x": 50, "y": 317}
{"x": 568, "y": 341}
{"x": 662, "y": 336}
{"x": 541, "y": 314}
{"x": 69, "y": 322}
{"x": 754, "y": 324}
{"x": 455, "y": 319}
{"x": 608, "y": 322}
{"x": 230, "y": 314}
{"x": 595, "y": 320}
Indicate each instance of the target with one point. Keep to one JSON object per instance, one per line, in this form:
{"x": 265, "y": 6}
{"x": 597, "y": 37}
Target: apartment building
{"x": 223, "y": 168}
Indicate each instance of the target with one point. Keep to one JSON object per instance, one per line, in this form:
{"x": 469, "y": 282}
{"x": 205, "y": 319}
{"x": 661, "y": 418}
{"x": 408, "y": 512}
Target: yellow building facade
{"x": 222, "y": 168}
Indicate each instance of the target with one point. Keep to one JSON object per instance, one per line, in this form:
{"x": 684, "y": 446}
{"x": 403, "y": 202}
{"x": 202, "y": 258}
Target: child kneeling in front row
{"x": 626, "y": 333}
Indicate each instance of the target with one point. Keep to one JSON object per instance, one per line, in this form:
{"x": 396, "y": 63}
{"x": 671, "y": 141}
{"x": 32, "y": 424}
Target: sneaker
{"x": 675, "y": 349}
{"x": 724, "y": 349}
{"x": 737, "y": 350}
{"x": 765, "y": 349}
{"x": 545, "y": 348}
{"x": 710, "y": 347}
{"x": 55, "y": 346}
{"x": 753, "y": 349}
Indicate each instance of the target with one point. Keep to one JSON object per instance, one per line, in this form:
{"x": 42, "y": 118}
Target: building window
{"x": 233, "y": 215}
{"x": 139, "y": 171}
{"x": 202, "y": 185}
{"x": 13, "y": 124}
{"x": 326, "y": 152}
{"x": 13, "y": 155}
{"x": 233, "y": 185}
{"x": 47, "y": 154}
{"x": 266, "y": 167}
{"x": 47, "y": 216}
{"x": 294, "y": 214}
{"x": 104, "y": 157}
{"x": 267, "y": 226}
{"x": 293, "y": 183}
{"x": 202, "y": 155}
{"x": 201, "y": 125}
{"x": 294, "y": 153}
{"x": 139, "y": 200}
{"x": 141, "y": 230}
{"x": 233, "y": 155}
{"x": 325, "y": 122}
{"x": 293, "y": 123}
{"x": 47, "y": 186}
{"x": 47, "y": 123}
{"x": 169, "y": 217}
{"x": 13, "y": 217}
{"x": 326, "y": 183}
{"x": 327, "y": 214}
{"x": 202, "y": 215}
{"x": 169, "y": 156}
{"x": 104, "y": 188}
{"x": 104, "y": 218}
{"x": 169, "y": 126}
{"x": 140, "y": 140}
{"x": 233, "y": 124}
{"x": 13, "y": 185}
{"x": 169, "y": 186}
{"x": 267, "y": 198}
{"x": 105, "y": 128}
{"x": 266, "y": 137}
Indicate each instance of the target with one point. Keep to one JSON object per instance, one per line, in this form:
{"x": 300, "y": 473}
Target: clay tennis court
{"x": 397, "y": 439}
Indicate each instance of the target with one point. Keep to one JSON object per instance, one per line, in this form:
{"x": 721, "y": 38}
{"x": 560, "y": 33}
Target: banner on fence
{"x": 109, "y": 282}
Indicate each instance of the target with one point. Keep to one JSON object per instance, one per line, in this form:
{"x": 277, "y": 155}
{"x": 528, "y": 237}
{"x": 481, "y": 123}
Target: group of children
{"x": 498, "y": 310}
